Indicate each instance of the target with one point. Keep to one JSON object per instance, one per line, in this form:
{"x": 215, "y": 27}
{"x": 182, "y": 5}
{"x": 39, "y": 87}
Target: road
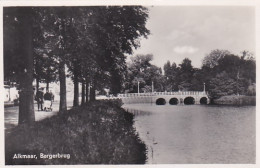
{"x": 11, "y": 113}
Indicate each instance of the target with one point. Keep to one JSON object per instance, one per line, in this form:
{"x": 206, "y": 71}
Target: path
{"x": 11, "y": 114}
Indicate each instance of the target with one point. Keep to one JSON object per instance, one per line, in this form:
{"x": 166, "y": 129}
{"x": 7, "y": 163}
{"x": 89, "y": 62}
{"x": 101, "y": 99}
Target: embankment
{"x": 98, "y": 133}
{"x": 236, "y": 100}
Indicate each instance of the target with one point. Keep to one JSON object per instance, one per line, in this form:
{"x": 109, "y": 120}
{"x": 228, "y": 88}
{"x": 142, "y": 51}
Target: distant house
{"x": 11, "y": 93}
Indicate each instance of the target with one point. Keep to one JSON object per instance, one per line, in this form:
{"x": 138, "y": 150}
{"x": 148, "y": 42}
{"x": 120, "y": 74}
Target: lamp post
{"x": 204, "y": 87}
{"x": 152, "y": 87}
{"x": 9, "y": 93}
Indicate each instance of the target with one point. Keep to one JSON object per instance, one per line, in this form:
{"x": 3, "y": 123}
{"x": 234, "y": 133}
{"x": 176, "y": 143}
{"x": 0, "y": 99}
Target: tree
{"x": 117, "y": 36}
{"x": 232, "y": 75}
{"x": 185, "y": 75}
{"x": 211, "y": 59}
{"x": 23, "y": 58}
{"x": 232, "y": 64}
{"x": 44, "y": 69}
{"x": 11, "y": 44}
{"x": 198, "y": 79}
{"x": 222, "y": 85}
{"x": 171, "y": 72}
{"x": 54, "y": 23}
{"x": 141, "y": 70}
{"x": 248, "y": 67}
{"x": 56, "y": 28}
{"x": 45, "y": 65}
{"x": 90, "y": 41}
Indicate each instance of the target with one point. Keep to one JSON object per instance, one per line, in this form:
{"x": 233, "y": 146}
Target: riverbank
{"x": 98, "y": 133}
{"x": 236, "y": 100}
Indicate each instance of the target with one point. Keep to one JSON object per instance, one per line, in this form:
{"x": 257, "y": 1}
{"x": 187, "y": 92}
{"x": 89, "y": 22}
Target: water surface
{"x": 196, "y": 133}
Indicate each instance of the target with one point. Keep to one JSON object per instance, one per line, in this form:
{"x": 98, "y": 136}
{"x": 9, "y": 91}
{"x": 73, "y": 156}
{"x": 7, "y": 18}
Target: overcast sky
{"x": 192, "y": 32}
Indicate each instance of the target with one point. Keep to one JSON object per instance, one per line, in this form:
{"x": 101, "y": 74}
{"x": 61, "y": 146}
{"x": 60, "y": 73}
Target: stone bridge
{"x": 162, "y": 98}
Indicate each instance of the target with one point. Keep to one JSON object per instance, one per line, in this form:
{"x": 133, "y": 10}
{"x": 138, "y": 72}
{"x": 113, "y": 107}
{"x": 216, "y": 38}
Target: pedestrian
{"x": 48, "y": 96}
{"x": 52, "y": 96}
{"x": 47, "y": 100}
{"x": 39, "y": 98}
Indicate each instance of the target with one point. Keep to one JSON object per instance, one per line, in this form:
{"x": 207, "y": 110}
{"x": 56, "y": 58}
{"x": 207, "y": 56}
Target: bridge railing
{"x": 162, "y": 93}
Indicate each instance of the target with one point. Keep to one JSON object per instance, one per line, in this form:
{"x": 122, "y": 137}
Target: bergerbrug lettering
{"x": 54, "y": 156}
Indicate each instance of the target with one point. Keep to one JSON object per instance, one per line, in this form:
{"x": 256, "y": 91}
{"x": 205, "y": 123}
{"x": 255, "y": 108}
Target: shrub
{"x": 236, "y": 100}
{"x": 97, "y": 133}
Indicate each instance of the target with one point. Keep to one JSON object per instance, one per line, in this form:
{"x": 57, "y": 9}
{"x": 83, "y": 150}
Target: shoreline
{"x": 236, "y": 100}
{"x": 100, "y": 132}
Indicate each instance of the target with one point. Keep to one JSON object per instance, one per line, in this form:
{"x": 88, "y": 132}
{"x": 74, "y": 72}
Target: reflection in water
{"x": 196, "y": 133}
{"x": 138, "y": 112}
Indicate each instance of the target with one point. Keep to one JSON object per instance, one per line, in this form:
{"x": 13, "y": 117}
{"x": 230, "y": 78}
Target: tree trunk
{"x": 93, "y": 92}
{"x": 87, "y": 91}
{"x": 76, "y": 86}
{"x": 116, "y": 82}
{"x": 83, "y": 90}
{"x": 91, "y": 97}
{"x": 62, "y": 73}
{"x": 26, "y": 106}
{"x": 62, "y": 76}
{"x": 47, "y": 85}
{"x": 76, "y": 92}
{"x": 37, "y": 84}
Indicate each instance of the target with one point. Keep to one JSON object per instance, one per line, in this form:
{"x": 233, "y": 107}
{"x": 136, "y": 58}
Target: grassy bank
{"x": 98, "y": 133}
{"x": 236, "y": 100}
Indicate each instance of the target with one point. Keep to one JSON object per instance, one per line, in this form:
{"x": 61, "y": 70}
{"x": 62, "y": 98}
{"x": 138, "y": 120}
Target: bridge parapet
{"x": 163, "y": 93}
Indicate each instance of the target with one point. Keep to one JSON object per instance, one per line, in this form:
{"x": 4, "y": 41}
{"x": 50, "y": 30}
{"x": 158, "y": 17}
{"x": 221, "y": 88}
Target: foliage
{"x": 141, "y": 70}
{"x": 222, "y": 85}
{"x": 223, "y": 74}
{"x": 185, "y": 75}
{"x": 211, "y": 59}
{"x": 236, "y": 100}
{"x": 233, "y": 76}
{"x": 90, "y": 41}
{"x": 100, "y": 133}
{"x": 171, "y": 72}
{"x": 13, "y": 59}
{"x": 251, "y": 91}
{"x": 181, "y": 78}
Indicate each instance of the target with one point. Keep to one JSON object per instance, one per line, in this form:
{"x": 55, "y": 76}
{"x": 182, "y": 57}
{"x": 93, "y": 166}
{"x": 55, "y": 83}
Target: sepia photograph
{"x": 129, "y": 84}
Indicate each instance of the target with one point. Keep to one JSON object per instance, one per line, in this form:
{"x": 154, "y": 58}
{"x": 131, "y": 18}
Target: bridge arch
{"x": 160, "y": 101}
{"x": 203, "y": 100}
{"x": 174, "y": 101}
{"x": 189, "y": 100}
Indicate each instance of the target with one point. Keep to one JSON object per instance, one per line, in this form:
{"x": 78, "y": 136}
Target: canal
{"x": 191, "y": 134}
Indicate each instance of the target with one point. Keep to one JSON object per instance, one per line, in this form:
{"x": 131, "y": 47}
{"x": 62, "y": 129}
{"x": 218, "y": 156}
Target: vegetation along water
{"x": 98, "y": 133}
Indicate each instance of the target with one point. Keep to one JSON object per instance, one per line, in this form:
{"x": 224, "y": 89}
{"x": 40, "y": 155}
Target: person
{"x": 52, "y": 96}
{"x": 47, "y": 100}
{"x": 39, "y": 98}
{"x": 48, "y": 96}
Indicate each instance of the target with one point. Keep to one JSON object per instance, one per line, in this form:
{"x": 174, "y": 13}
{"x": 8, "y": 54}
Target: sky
{"x": 179, "y": 32}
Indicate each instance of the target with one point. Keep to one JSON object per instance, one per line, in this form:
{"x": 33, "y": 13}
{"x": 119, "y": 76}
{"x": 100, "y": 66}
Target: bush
{"x": 97, "y": 133}
{"x": 114, "y": 102}
{"x": 236, "y": 100}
